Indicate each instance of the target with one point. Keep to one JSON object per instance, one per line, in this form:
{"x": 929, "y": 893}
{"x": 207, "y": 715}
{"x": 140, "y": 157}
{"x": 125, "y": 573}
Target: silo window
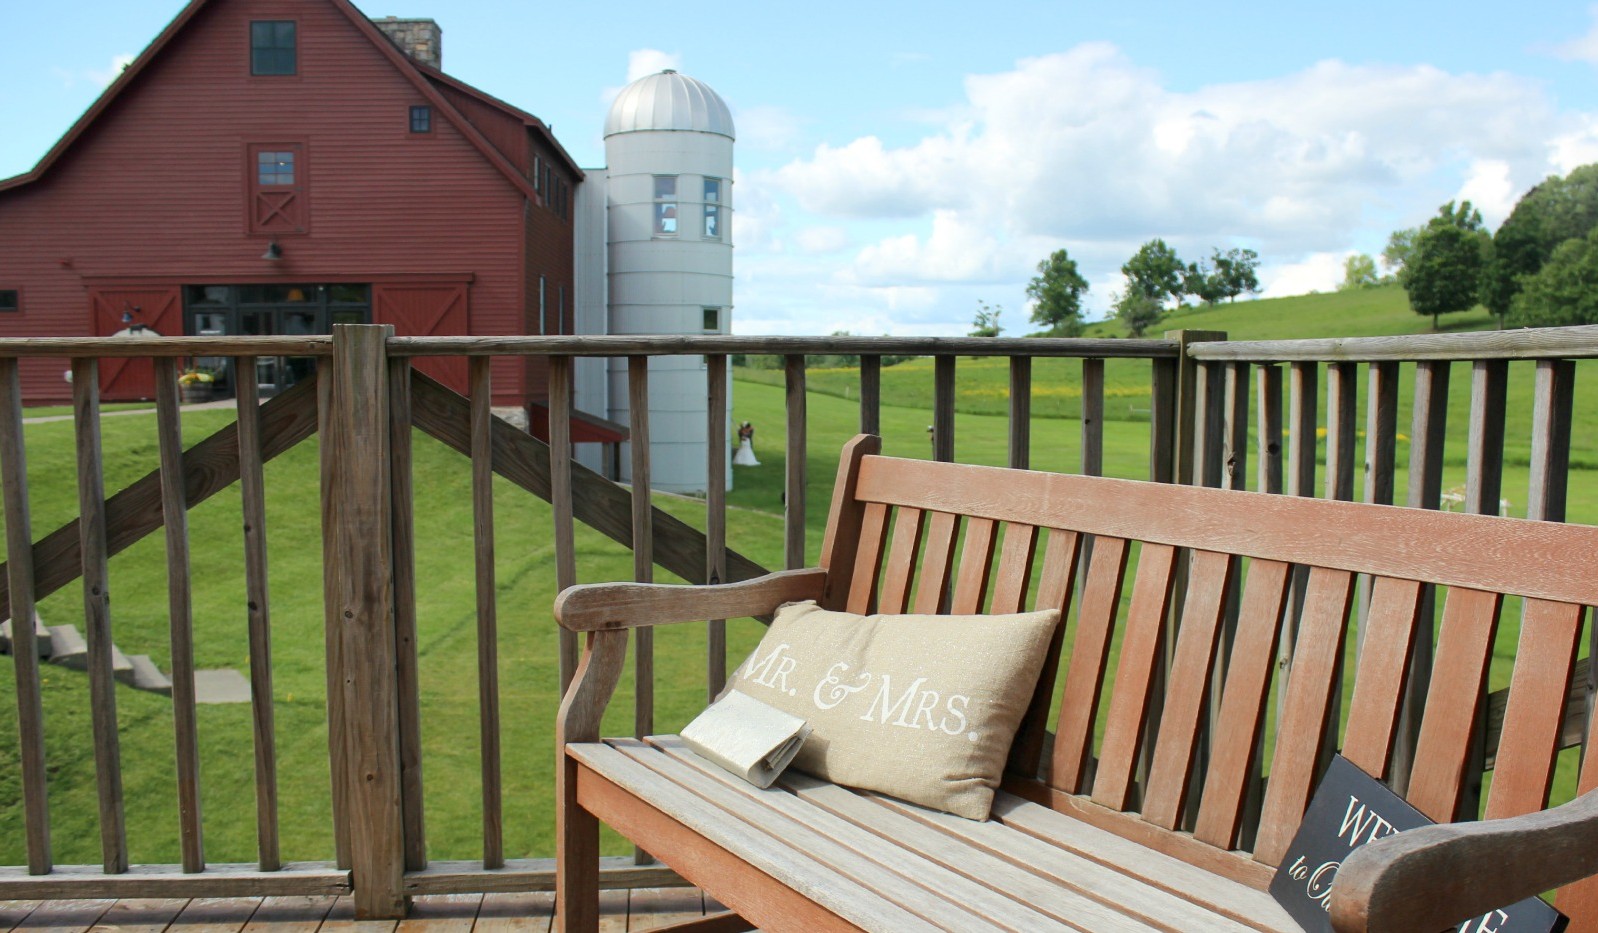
{"x": 712, "y": 208}
{"x": 712, "y": 320}
{"x": 665, "y": 205}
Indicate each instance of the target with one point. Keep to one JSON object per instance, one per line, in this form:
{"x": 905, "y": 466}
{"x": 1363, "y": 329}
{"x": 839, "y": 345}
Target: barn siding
{"x": 156, "y": 189}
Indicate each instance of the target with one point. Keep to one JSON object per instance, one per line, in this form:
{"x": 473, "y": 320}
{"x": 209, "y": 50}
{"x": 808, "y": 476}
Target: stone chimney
{"x": 421, "y": 39}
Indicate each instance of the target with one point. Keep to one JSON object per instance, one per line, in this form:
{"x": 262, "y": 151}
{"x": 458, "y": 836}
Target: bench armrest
{"x": 606, "y": 606}
{"x": 1436, "y": 877}
{"x": 607, "y": 610}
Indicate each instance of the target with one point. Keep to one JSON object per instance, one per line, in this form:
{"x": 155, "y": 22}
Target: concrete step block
{"x": 41, "y": 637}
{"x": 121, "y": 666}
{"x": 67, "y": 647}
{"x": 146, "y": 676}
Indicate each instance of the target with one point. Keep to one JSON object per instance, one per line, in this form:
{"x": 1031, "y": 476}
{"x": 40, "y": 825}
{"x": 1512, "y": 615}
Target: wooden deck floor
{"x": 624, "y": 912}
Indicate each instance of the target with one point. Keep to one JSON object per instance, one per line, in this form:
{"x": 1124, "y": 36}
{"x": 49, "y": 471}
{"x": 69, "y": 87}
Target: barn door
{"x": 157, "y": 307}
{"x": 426, "y": 310}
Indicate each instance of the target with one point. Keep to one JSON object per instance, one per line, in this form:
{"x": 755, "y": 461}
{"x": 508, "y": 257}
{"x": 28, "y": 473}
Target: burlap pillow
{"x": 922, "y": 707}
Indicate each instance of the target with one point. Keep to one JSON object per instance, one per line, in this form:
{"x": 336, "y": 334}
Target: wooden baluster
{"x": 1020, "y": 412}
{"x": 1427, "y": 433}
{"x": 794, "y": 495}
{"x": 1162, "y": 420}
{"x": 482, "y": 401}
{"x": 1381, "y": 449}
{"x": 1303, "y": 400}
{"x": 1552, "y": 407}
{"x": 1092, "y": 418}
{"x": 870, "y": 394}
{"x": 25, "y": 660}
{"x": 1268, "y": 386}
{"x": 1484, "y": 483}
{"x": 175, "y": 518}
{"x": 643, "y": 540}
{"x": 716, "y": 516}
{"x": 943, "y": 409}
{"x": 407, "y": 666}
{"x": 252, "y": 490}
{"x": 330, "y": 425}
{"x": 560, "y": 497}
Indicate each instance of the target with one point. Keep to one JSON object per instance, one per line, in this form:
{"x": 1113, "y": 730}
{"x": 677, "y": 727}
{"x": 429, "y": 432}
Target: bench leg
{"x": 576, "y": 857}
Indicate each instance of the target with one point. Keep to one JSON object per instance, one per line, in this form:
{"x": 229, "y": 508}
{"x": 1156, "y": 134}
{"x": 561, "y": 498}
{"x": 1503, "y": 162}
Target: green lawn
{"x": 525, "y": 584}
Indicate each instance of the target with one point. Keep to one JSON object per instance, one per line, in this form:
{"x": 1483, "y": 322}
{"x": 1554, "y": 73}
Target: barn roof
{"x": 423, "y": 78}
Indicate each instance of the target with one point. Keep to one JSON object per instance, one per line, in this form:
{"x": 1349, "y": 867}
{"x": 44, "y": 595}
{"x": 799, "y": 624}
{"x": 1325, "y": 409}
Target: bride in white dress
{"x": 745, "y": 454}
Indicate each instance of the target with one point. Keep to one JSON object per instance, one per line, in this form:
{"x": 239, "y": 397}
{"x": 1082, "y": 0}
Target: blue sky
{"x": 898, "y": 163}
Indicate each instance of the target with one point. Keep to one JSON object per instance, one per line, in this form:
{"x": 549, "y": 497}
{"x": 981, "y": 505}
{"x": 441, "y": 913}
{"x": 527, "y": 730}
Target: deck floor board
{"x": 624, "y": 912}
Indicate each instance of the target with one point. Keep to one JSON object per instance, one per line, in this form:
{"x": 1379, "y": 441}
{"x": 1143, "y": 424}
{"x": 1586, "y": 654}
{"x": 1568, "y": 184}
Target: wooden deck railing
{"x": 1205, "y": 406}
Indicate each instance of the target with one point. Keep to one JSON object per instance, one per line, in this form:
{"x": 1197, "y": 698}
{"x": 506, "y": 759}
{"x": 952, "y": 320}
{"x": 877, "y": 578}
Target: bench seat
{"x": 880, "y": 864}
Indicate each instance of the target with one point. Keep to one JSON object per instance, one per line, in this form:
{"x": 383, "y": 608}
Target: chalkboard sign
{"x": 1350, "y": 808}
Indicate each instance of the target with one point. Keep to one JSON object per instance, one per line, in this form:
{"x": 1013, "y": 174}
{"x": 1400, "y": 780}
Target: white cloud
{"x": 1089, "y": 150}
{"x": 1582, "y": 48}
{"x": 766, "y": 128}
{"x": 822, "y": 240}
{"x": 1319, "y": 272}
{"x": 641, "y": 62}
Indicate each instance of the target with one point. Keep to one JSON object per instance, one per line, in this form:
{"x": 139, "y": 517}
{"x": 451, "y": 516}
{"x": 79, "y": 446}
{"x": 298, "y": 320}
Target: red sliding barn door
{"x": 158, "y": 307}
{"x": 426, "y": 310}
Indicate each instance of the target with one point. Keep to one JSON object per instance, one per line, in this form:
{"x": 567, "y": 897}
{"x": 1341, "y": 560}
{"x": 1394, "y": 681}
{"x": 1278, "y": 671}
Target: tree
{"x": 1056, "y": 294}
{"x": 1444, "y": 270}
{"x": 1236, "y": 271}
{"x": 1400, "y": 244}
{"x": 1155, "y": 271}
{"x": 1137, "y": 311}
{"x": 987, "y": 323}
{"x": 1359, "y": 271}
{"x": 1557, "y": 210}
{"x": 1563, "y": 291}
{"x": 1202, "y": 282}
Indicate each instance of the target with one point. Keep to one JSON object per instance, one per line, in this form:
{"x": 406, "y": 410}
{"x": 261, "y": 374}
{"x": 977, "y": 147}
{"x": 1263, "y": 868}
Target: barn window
{"x": 277, "y": 188}
{"x": 422, "y": 119}
{"x": 10, "y": 300}
{"x": 272, "y": 47}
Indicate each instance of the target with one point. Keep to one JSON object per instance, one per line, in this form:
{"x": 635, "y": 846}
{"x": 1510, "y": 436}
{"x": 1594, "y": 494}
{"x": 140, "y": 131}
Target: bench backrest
{"x": 916, "y": 536}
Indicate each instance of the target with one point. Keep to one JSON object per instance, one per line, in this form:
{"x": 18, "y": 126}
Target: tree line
{"x": 1155, "y": 276}
{"x": 1539, "y": 269}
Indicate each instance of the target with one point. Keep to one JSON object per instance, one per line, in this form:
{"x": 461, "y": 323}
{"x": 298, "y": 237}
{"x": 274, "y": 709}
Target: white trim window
{"x": 713, "y": 209}
{"x": 665, "y": 205}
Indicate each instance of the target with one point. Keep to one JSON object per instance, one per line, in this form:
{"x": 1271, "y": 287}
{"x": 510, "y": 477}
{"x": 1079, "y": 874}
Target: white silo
{"x": 668, "y": 142}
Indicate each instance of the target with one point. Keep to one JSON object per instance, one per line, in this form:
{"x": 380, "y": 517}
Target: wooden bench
{"x": 1126, "y": 820}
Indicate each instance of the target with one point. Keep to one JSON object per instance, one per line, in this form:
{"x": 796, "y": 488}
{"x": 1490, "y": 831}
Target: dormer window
{"x": 273, "y": 47}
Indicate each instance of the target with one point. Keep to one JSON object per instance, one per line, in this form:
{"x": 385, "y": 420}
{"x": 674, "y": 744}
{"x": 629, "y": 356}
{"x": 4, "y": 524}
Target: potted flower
{"x": 196, "y": 385}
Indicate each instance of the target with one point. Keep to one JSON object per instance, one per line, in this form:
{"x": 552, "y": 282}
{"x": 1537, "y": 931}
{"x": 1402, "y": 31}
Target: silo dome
{"x": 669, "y": 101}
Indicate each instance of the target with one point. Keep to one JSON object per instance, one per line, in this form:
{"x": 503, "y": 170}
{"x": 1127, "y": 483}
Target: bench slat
{"x": 1515, "y": 556}
{"x": 1015, "y": 568}
{"x": 868, "y": 558}
{"x": 896, "y": 854}
{"x": 932, "y": 589}
{"x": 1208, "y": 587}
{"x": 1248, "y": 676}
{"x": 1060, "y": 561}
{"x": 1073, "y": 744}
{"x": 1386, "y": 647}
{"x": 1134, "y": 676}
{"x": 1301, "y": 725}
{"x": 813, "y": 880}
{"x": 976, "y": 559}
{"x": 1459, "y": 679}
{"x": 1080, "y": 903}
{"x": 1231, "y": 898}
{"x": 893, "y": 593}
{"x": 1549, "y": 636}
{"x": 873, "y": 863}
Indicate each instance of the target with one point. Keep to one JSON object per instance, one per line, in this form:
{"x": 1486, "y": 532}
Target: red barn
{"x": 279, "y": 166}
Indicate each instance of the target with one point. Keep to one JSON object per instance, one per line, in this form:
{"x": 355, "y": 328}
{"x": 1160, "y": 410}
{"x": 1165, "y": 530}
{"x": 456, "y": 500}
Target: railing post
{"x": 1188, "y": 435}
{"x": 360, "y": 613}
